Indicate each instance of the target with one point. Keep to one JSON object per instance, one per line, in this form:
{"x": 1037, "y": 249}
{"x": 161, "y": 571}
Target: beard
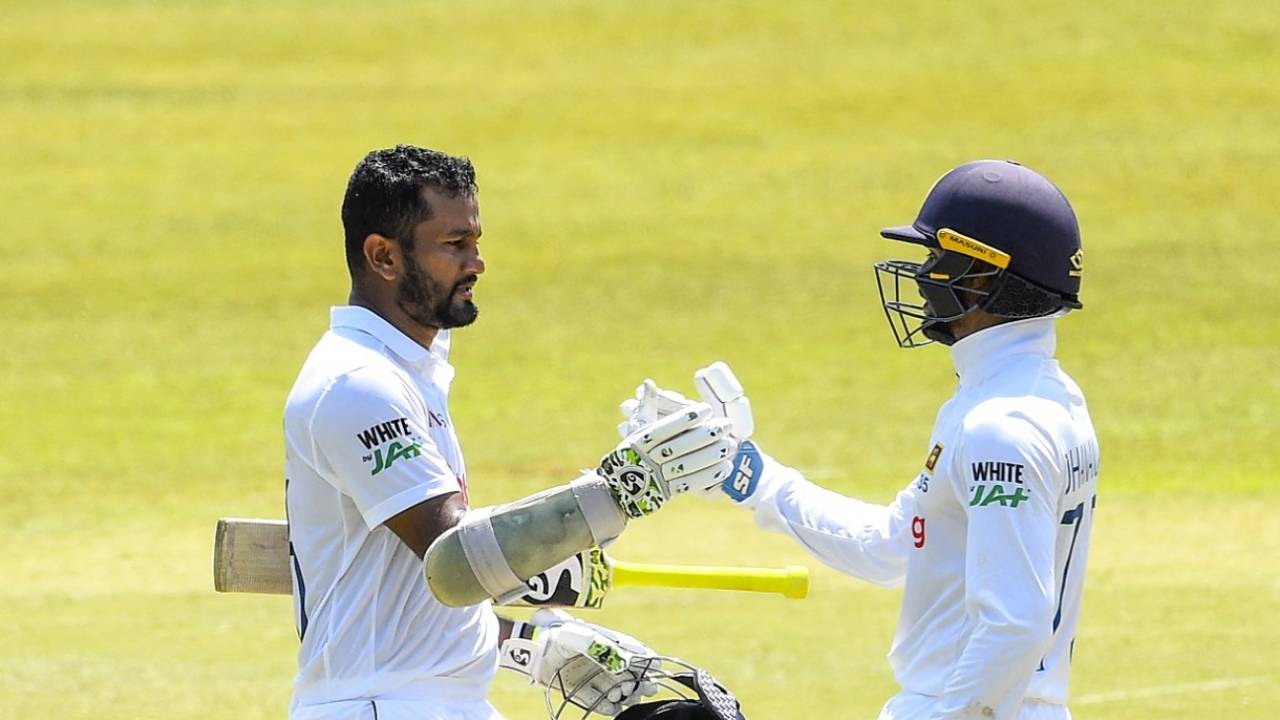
{"x": 431, "y": 303}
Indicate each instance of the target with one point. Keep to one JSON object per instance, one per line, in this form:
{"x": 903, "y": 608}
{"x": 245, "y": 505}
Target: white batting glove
{"x": 593, "y": 667}
{"x": 685, "y": 450}
{"x": 717, "y": 387}
{"x": 650, "y": 404}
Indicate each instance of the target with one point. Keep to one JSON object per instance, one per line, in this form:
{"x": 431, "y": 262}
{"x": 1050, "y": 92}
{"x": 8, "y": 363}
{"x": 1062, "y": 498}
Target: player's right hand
{"x": 687, "y": 449}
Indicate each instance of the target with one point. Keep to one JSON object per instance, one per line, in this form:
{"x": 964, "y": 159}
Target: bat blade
{"x": 252, "y": 556}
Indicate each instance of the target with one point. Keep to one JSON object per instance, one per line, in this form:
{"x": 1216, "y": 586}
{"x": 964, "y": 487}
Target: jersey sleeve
{"x": 867, "y": 541}
{"x": 1006, "y": 471}
{"x": 369, "y": 429}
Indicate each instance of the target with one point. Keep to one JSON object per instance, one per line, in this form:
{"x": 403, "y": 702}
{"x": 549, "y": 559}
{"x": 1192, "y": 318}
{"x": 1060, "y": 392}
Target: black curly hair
{"x": 384, "y": 195}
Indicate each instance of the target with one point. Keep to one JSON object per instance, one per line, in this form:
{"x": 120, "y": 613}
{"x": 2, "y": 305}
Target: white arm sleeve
{"x": 867, "y": 541}
{"x": 1009, "y": 583}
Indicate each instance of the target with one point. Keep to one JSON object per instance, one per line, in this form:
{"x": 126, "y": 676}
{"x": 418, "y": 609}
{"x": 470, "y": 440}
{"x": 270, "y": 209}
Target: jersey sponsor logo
{"x": 384, "y": 431}
{"x": 988, "y": 471}
{"x": 932, "y": 461}
{"x": 395, "y": 451}
{"x": 989, "y": 481}
{"x": 984, "y": 495}
{"x": 398, "y": 433}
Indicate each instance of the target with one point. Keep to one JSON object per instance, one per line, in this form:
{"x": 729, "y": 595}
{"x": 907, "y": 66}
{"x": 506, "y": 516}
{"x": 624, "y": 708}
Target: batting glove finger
{"x": 707, "y": 481}
{"x": 695, "y": 439}
{"x": 651, "y": 403}
{"x": 647, "y": 438}
{"x": 719, "y": 451}
{"x": 719, "y": 388}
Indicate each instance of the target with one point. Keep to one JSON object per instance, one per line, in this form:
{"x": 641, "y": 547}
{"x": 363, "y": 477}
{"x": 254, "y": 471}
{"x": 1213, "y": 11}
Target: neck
{"x": 983, "y": 354}
{"x": 972, "y": 322}
{"x": 390, "y": 311}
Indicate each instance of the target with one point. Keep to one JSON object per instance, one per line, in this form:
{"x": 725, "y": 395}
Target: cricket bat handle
{"x": 791, "y": 581}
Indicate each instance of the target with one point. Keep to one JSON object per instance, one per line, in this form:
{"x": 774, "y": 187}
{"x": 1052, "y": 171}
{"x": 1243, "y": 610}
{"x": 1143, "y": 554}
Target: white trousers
{"x": 914, "y": 706}
{"x": 395, "y": 710}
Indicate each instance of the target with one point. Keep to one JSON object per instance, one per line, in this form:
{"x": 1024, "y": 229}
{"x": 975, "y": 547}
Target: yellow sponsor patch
{"x": 956, "y": 242}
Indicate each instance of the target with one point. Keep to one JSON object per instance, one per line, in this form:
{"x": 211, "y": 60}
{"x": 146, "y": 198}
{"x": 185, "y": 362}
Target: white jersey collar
{"x": 366, "y": 320}
{"x": 981, "y": 354}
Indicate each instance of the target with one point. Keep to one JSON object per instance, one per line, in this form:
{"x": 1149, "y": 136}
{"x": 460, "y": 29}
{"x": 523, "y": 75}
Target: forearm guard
{"x": 494, "y": 550}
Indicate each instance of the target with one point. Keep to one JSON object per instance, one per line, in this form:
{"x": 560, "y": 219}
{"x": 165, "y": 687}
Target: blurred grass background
{"x": 662, "y": 184}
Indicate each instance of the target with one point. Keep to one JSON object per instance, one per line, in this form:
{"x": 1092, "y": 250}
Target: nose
{"x": 476, "y": 265}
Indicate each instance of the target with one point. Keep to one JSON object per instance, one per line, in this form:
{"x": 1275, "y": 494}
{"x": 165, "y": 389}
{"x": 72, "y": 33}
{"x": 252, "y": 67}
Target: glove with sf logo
{"x": 720, "y": 389}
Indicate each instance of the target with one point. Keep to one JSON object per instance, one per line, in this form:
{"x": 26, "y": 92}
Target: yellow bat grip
{"x": 791, "y": 581}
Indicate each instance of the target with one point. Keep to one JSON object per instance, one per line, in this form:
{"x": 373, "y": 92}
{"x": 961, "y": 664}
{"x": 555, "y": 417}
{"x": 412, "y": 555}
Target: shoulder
{"x": 346, "y": 376}
{"x": 1008, "y": 426}
{"x": 369, "y": 387}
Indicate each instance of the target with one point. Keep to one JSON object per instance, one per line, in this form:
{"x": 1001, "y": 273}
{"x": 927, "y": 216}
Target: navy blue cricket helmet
{"x": 988, "y": 219}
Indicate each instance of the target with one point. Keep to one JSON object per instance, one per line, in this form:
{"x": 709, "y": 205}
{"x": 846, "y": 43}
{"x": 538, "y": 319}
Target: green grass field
{"x": 662, "y": 184}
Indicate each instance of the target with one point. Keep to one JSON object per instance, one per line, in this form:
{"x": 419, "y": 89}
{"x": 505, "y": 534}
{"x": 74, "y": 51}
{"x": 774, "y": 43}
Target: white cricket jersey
{"x": 368, "y": 435}
{"x": 991, "y": 538}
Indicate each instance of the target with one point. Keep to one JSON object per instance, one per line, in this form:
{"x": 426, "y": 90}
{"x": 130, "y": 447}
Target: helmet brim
{"x": 908, "y": 233}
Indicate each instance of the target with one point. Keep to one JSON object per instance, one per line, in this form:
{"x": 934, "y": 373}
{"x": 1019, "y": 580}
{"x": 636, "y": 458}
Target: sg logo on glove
{"x": 634, "y": 485}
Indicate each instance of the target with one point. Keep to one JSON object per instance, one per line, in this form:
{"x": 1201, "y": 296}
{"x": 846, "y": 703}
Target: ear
{"x": 382, "y": 256}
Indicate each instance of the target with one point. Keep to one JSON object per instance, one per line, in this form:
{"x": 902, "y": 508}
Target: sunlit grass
{"x": 662, "y": 185}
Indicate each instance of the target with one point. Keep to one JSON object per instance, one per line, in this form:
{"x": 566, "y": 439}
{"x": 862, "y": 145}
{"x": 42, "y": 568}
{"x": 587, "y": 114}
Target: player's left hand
{"x": 596, "y": 668}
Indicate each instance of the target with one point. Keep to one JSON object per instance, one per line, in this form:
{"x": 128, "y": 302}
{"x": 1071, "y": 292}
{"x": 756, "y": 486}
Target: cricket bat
{"x": 252, "y": 556}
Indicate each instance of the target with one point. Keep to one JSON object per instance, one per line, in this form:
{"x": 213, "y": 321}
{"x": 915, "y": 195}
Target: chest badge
{"x": 932, "y": 461}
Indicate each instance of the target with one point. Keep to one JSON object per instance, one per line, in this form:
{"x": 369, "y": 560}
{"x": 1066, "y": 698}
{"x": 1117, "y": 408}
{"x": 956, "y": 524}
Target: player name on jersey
{"x": 1082, "y": 465}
